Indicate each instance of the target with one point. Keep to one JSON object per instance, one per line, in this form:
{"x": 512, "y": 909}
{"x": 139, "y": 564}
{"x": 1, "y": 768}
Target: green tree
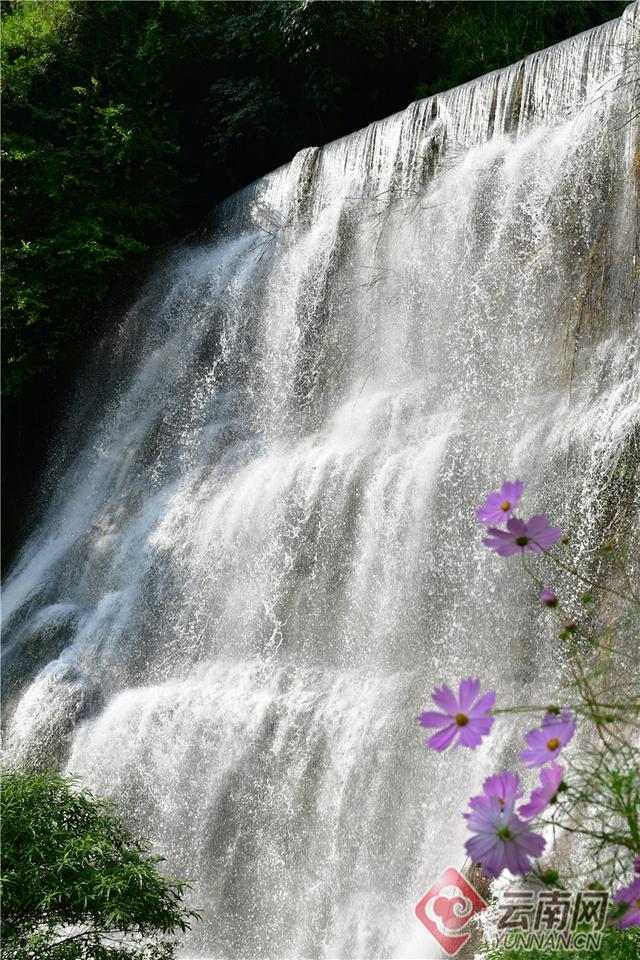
{"x": 88, "y": 176}
{"x": 76, "y": 885}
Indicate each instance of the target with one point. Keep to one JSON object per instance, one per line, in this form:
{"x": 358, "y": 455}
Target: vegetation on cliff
{"x": 76, "y": 884}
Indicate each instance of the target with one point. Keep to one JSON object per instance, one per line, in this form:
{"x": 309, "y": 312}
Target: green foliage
{"x": 600, "y": 799}
{"x": 479, "y": 37}
{"x": 88, "y": 176}
{"x": 76, "y": 885}
{"x": 615, "y": 945}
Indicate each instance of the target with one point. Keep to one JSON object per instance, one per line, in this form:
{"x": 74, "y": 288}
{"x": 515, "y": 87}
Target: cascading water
{"x": 259, "y": 552}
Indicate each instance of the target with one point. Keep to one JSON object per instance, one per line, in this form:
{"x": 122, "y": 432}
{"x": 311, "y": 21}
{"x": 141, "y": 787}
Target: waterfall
{"x": 257, "y": 553}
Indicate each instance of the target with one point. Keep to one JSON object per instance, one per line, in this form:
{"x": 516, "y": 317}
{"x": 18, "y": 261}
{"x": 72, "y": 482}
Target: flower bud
{"x": 549, "y": 598}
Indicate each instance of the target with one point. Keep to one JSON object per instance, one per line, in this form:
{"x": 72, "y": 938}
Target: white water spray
{"x": 259, "y": 554}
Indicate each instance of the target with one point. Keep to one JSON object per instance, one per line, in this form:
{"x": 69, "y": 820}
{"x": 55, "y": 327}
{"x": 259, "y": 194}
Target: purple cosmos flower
{"x": 502, "y": 787}
{"x": 549, "y": 598}
{"x": 535, "y": 536}
{"x": 546, "y": 743}
{"x": 636, "y": 865}
{"x": 500, "y": 504}
{"x": 550, "y": 780}
{"x": 464, "y": 716}
{"x": 631, "y": 896}
{"x": 502, "y": 839}
{"x": 552, "y": 717}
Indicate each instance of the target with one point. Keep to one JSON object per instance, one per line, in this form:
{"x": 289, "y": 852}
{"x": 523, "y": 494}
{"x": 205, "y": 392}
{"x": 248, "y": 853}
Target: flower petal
{"x": 537, "y": 524}
{"x": 470, "y": 737}
{"x": 501, "y": 535}
{"x": 548, "y": 537}
{"x": 467, "y": 693}
{"x": 480, "y": 846}
{"x": 511, "y": 491}
{"x": 441, "y": 740}
{"x": 532, "y": 843}
{"x": 517, "y": 860}
{"x": 430, "y": 718}
{"x": 484, "y": 704}
{"x": 445, "y": 698}
{"x": 501, "y": 784}
{"x": 551, "y": 719}
{"x": 516, "y": 527}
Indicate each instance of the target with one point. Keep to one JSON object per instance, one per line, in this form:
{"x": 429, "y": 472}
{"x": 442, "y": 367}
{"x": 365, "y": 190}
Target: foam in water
{"x": 259, "y": 553}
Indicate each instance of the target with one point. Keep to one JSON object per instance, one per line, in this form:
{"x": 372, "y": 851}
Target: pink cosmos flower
{"x": 549, "y": 598}
{"x": 546, "y": 743}
{"x": 631, "y": 896}
{"x": 500, "y": 504}
{"x": 535, "y": 536}
{"x": 550, "y": 780}
{"x": 464, "y": 716}
{"x": 502, "y": 787}
{"x": 503, "y": 839}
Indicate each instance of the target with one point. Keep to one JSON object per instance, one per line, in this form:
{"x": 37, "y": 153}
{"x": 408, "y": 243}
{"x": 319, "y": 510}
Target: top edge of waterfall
{"x": 398, "y": 153}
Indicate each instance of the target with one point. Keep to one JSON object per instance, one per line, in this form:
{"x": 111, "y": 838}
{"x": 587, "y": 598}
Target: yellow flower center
{"x": 553, "y": 744}
{"x": 461, "y": 719}
{"x": 505, "y": 506}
